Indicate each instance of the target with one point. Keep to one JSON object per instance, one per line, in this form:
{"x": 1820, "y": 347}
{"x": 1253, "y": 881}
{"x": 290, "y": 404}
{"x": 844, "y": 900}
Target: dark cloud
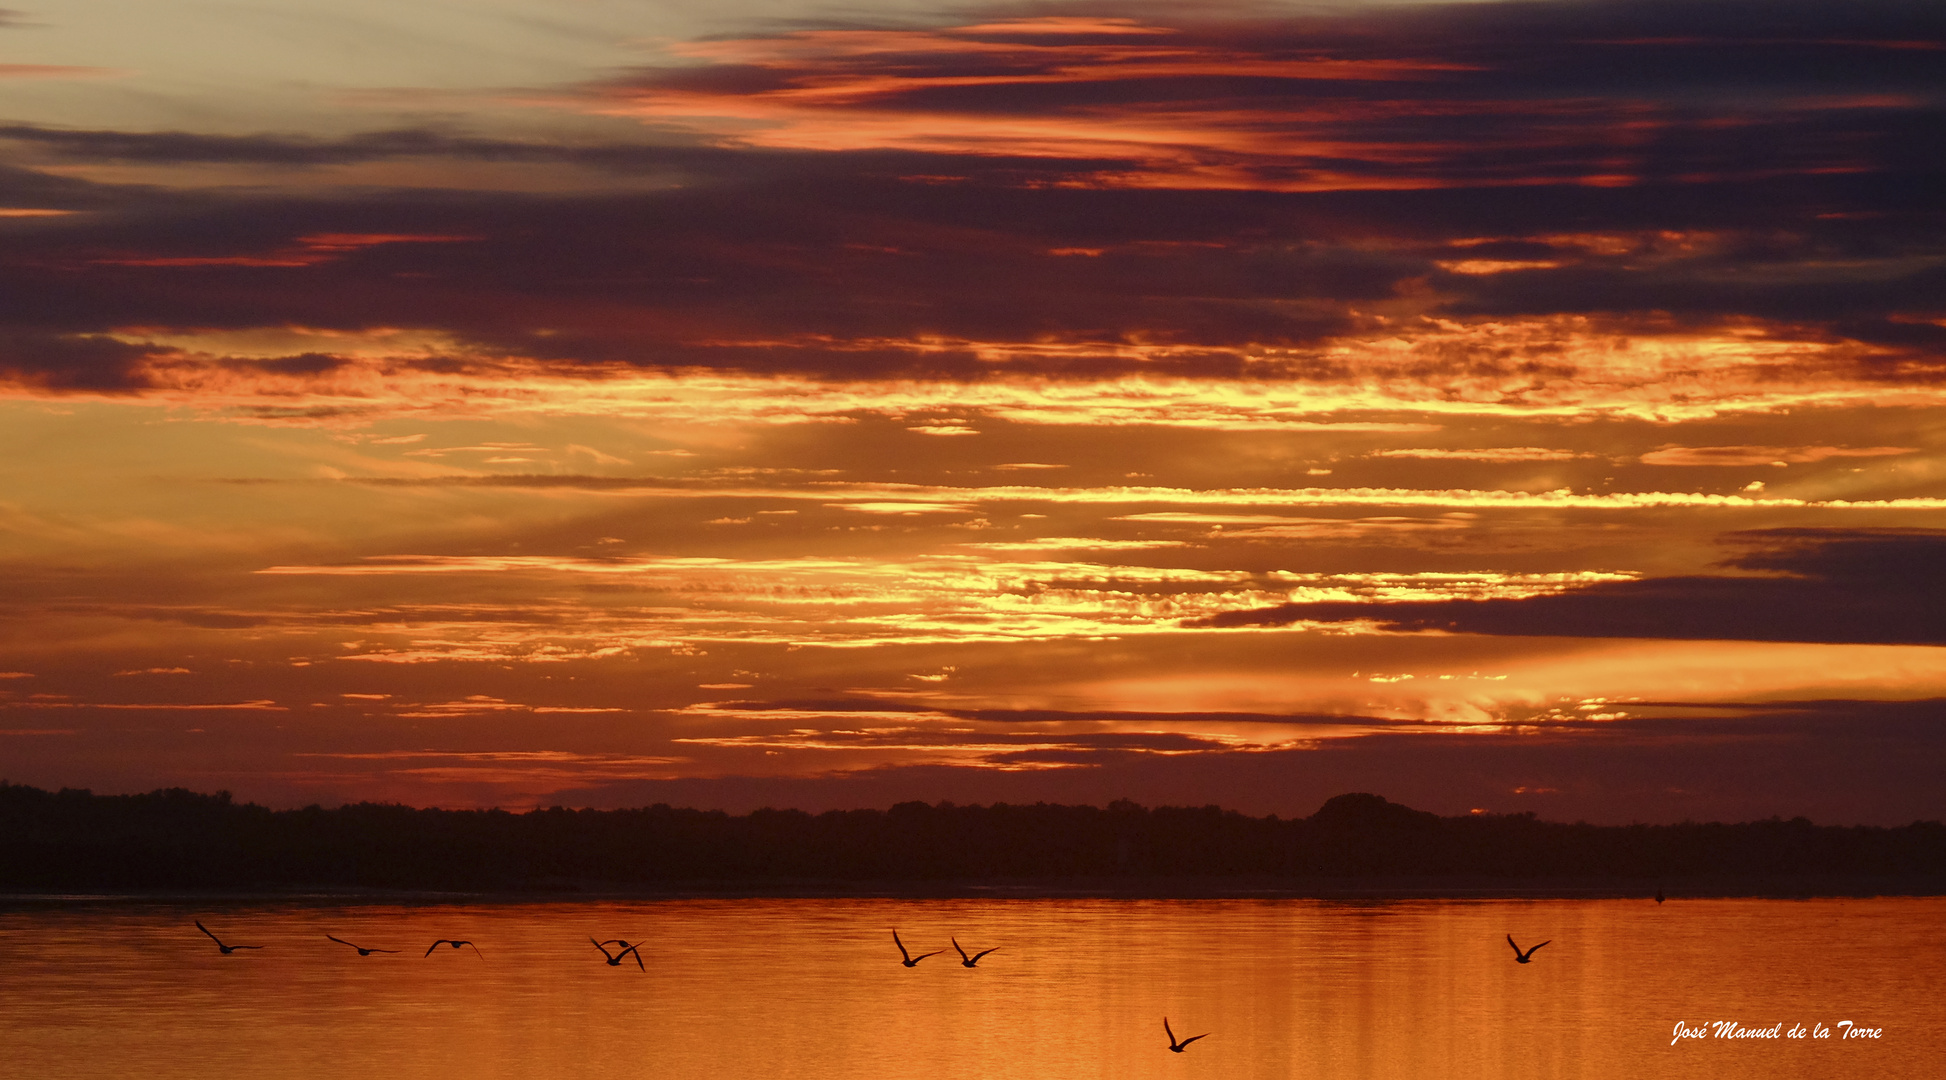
{"x": 1786, "y": 155}
{"x": 178, "y": 147}
{"x": 666, "y": 156}
{"x": 1837, "y": 762}
{"x": 52, "y": 362}
{"x": 1862, "y": 586}
{"x": 1480, "y": 92}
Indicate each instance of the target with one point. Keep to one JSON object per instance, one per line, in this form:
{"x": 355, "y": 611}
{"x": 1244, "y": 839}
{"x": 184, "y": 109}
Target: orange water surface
{"x": 783, "y": 989}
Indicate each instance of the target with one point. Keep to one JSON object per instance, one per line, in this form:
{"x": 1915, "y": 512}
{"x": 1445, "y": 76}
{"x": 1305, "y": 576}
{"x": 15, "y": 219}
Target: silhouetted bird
{"x": 910, "y": 960}
{"x": 454, "y": 944}
{"x": 969, "y": 961}
{"x": 225, "y": 949}
{"x": 1522, "y": 957}
{"x": 1658, "y": 894}
{"x": 616, "y": 959}
{"x": 1179, "y": 1047}
{"x": 361, "y": 951}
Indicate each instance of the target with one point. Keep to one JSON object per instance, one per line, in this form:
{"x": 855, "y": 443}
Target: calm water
{"x": 785, "y": 989}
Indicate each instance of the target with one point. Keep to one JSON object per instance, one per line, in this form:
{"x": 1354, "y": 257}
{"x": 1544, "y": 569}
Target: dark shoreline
{"x": 1322, "y": 889}
{"x": 1356, "y": 847}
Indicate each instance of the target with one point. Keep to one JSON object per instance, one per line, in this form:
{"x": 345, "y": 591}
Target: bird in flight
{"x": 225, "y": 949}
{"x": 616, "y": 959}
{"x": 361, "y": 950}
{"x": 1522, "y": 957}
{"x": 910, "y": 960}
{"x": 965, "y": 960}
{"x": 1659, "y": 898}
{"x": 454, "y": 944}
{"x": 1179, "y": 1047}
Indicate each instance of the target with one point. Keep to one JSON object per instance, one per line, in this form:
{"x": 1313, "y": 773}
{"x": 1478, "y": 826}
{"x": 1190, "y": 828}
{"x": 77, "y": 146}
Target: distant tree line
{"x": 175, "y": 838}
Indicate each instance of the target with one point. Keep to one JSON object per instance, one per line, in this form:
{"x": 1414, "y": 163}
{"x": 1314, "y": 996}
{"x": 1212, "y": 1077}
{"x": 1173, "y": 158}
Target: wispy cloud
{"x": 1494, "y": 454}
{"x": 1166, "y": 402}
{"x": 1407, "y": 99}
{"x": 1821, "y": 585}
{"x": 1764, "y": 455}
{"x": 58, "y": 71}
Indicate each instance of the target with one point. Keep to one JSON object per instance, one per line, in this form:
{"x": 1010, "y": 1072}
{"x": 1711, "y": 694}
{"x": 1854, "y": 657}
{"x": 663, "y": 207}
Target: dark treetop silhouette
{"x": 179, "y": 839}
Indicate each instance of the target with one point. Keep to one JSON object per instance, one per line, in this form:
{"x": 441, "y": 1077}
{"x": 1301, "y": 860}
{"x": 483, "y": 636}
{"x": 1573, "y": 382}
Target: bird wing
{"x": 604, "y": 950}
{"x": 1166, "y": 1031}
{"x": 923, "y": 955}
{"x": 955, "y": 941}
{"x": 1510, "y": 941}
{"x": 382, "y": 950}
{"x": 205, "y": 930}
{"x": 1193, "y": 1038}
{"x": 470, "y": 945}
{"x": 902, "y": 953}
{"x": 434, "y": 945}
{"x": 1531, "y": 952}
{"x": 976, "y": 956}
{"x": 638, "y": 957}
{"x": 340, "y": 940}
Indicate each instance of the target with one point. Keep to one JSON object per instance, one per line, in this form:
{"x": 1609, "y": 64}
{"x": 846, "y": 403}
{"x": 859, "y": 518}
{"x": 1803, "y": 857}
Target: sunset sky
{"x": 1494, "y": 406}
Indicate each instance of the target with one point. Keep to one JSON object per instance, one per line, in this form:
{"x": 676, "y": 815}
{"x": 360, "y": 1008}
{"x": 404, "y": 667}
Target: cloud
{"x": 57, "y": 71}
{"x": 1388, "y": 99}
{"x": 1877, "y": 765}
{"x": 1304, "y": 203}
{"x": 1492, "y": 454}
{"x": 185, "y": 147}
{"x": 260, "y": 705}
{"x": 1348, "y": 321}
{"x": 1866, "y": 586}
{"x": 44, "y": 362}
{"x": 1764, "y": 455}
{"x": 898, "y": 498}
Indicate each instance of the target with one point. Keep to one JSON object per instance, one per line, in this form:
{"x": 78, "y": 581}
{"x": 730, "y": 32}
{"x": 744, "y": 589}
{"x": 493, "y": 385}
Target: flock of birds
{"x": 628, "y": 949}
{"x": 614, "y": 959}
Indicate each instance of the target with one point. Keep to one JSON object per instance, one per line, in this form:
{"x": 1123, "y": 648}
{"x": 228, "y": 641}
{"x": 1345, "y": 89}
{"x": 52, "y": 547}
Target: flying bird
{"x": 225, "y": 949}
{"x": 965, "y": 960}
{"x": 1179, "y": 1047}
{"x": 1522, "y": 957}
{"x": 361, "y": 950}
{"x": 910, "y": 960}
{"x": 1658, "y": 894}
{"x": 454, "y": 944}
{"x": 616, "y": 959}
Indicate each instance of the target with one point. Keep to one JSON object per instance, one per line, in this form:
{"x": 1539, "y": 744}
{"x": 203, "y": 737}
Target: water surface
{"x": 783, "y": 989}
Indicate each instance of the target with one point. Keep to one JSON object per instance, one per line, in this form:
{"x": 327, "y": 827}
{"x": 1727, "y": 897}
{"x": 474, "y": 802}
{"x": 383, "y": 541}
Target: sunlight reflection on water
{"x": 783, "y": 989}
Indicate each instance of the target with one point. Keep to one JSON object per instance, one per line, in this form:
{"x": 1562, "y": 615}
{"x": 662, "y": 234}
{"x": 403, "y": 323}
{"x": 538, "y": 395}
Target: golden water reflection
{"x": 812, "y": 989}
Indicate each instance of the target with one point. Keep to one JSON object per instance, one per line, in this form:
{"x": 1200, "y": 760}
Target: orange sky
{"x": 1497, "y": 407}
